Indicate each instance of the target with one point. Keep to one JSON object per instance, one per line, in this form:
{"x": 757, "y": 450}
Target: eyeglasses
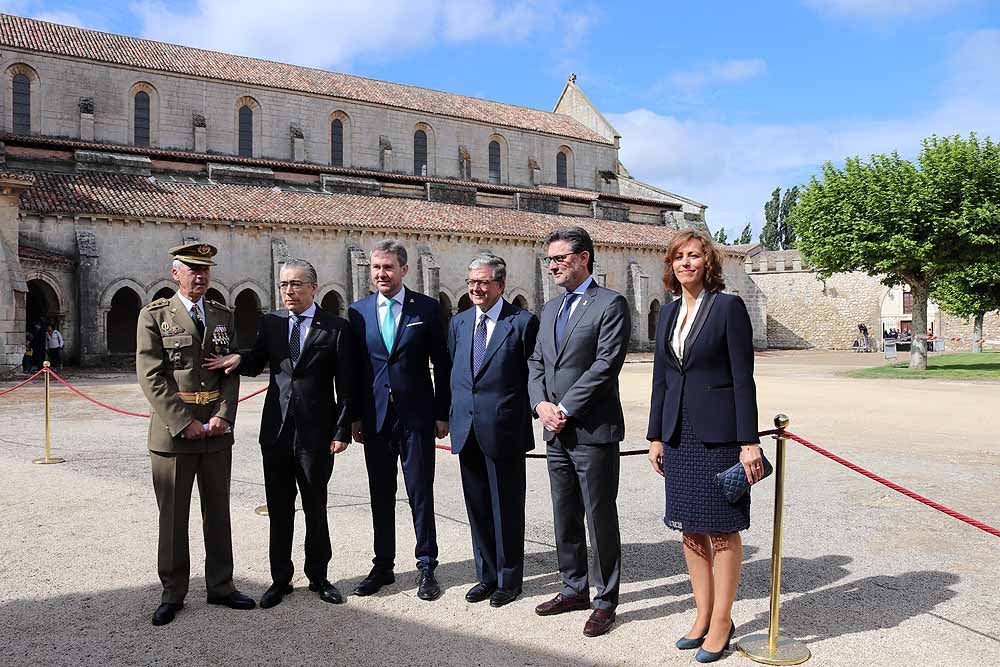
{"x": 479, "y": 284}
{"x": 559, "y": 259}
{"x": 294, "y": 285}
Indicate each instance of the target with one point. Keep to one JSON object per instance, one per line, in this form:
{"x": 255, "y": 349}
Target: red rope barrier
{"x": 18, "y": 386}
{"x": 895, "y": 487}
{"x": 105, "y": 405}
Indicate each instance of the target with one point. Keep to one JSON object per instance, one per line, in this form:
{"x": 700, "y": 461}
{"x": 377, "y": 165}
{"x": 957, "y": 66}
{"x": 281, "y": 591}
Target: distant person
{"x": 703, "y": 420}
{"x": 38, "y": 344}
{"x": 27, "y": 360}
{"x": 54, "y": 342}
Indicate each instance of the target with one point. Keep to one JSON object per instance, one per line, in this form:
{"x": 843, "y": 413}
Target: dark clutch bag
{"x": 734, "y": 483}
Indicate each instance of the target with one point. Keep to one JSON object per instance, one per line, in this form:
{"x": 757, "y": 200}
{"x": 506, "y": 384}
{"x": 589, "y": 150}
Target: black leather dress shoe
{"x": 327, "y": 592}
{"x": 375, "y": 580}
{"x": 166, "y": 612}
{"x": 234, "y": 600}
{"x": 427, "y": 586}
{"x": 273, "y": 596}
{"x": 501, "y": 597}
{"x": 480, "y": 592}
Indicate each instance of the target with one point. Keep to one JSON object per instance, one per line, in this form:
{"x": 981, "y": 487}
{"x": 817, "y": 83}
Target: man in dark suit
{"x": 573, "y": 388}
{"x": 306, "y": 421}
{"x": 491, "y": 426}
{"x": 400, "y": 411}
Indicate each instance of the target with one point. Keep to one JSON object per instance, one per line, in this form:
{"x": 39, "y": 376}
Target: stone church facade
{"x": 114, "y": 149}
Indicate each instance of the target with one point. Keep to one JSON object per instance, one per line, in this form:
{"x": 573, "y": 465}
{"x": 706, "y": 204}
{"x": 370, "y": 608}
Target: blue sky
{"x": 717, "y": 100}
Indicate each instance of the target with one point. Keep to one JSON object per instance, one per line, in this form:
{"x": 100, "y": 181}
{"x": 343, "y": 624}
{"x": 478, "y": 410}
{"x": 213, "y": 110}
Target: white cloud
{"x": 728, "y": 71}
{"x": 332, "y": 35}
{"x": 733, "y": 167}
{"x": 883, "y": 9}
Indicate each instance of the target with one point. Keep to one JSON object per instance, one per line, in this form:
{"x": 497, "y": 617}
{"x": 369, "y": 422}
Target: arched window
{"x": 444, "y": 307}
{"x": 22, "y": 104}
{"x": 464, "y": 302}
{"x": 246, "y": 131}
{"x": 654, "y": 317}
{"x": 141, "y": 125}
{"x": 333, "y": 303}
{"x": 561, "y": 179}
{"x": 495, "y": 174}
{"x": 337, "y": 143}
{"x": 420, "y": 153}
{"x": 246, "y": 312}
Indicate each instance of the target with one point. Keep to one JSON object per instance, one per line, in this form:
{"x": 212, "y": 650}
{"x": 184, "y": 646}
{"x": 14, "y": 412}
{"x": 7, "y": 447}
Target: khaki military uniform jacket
{"x": 168, "y": 359}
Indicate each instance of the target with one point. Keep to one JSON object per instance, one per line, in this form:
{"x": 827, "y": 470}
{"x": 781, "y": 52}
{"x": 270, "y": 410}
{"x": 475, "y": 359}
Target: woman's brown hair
{"x": 713, "y": 281}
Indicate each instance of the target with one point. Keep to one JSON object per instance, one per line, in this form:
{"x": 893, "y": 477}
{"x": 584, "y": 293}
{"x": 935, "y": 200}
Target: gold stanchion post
{"x": 260, "y": 510}
{"x": 48, "y": 458}
{"x": 773, "y": 649}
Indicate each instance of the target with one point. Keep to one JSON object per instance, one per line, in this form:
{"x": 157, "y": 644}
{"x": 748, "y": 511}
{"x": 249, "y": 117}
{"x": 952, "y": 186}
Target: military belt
{"x": 199, "y": 397}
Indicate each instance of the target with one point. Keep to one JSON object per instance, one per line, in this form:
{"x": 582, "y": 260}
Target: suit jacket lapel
{"x": 318, "y": 325}
{"x": 696, "y": 326}
{"x": 669, "y": 337}
{"x": 501, "y": 330}
{"x": 406, "y": 316}
{"x": 466, "y": 324}
{"x": 583, "y": 303}
{"x": 183, "y": 318}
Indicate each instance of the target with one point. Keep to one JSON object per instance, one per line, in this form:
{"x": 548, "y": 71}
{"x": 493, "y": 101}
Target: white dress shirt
{"x": 683, "y": 326}
{"x": 491, "y": 315}
{"x": 397, "y": 308}
{"x": 188, "y": 304}
{"x": 309, "y": 313}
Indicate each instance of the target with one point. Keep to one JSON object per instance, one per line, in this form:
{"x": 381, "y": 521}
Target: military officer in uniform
{"x": 190, "y": 432}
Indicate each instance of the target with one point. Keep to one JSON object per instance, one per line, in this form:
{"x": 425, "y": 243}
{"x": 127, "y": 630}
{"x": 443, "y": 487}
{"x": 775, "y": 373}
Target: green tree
{"x": 779, "y": 232}
{"x": 786, "y": 228}
{"x": 970, "y": 292}
{"x": 905, "y": 223}
{"x": 720, "y": 236}
{"x": 770, "y": 238}
{"x": 746, "y": 236}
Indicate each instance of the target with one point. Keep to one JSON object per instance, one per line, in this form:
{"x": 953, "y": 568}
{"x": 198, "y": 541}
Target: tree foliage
{"x": 779, "y": 230}
{"x": 720, "y": 236}
{"x": 905, "y": 222}
{"x": 746, "y": 236}
{"x": 970, "y": 292}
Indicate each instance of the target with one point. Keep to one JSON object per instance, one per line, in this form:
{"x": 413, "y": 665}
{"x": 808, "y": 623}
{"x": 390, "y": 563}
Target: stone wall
{"x": 804, "y": 311}
{"x": 175, "y": 99}
{"x": 133, "y": 254}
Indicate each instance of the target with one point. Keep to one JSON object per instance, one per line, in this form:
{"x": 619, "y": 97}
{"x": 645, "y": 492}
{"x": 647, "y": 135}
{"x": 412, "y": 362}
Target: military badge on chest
{"x": 221, "y": 342}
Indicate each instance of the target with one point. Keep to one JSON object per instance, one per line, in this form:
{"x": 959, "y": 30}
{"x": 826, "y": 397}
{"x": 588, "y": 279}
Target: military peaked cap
{"x": 197, "y": 254}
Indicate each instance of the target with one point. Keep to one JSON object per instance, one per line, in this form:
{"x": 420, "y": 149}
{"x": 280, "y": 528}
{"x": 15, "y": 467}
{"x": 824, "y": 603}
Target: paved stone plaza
{"x": 870, "y": 577}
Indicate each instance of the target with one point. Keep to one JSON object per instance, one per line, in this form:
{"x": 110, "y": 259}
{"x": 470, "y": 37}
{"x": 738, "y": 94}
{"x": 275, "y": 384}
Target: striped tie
{"x": 198, "y": 322}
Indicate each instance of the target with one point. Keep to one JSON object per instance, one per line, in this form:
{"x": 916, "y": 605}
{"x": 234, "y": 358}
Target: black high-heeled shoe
{"x": 686, "y": 643}
{"x": 712, "y": 656}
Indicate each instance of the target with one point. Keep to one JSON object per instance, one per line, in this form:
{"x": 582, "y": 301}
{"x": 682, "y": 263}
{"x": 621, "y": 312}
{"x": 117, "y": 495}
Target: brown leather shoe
{"x": 600, "y": 622}
{"x": 561, "y": 604}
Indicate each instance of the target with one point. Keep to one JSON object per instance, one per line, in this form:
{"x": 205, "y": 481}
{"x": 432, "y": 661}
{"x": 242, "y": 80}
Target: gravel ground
{"x": 870, "y": 577}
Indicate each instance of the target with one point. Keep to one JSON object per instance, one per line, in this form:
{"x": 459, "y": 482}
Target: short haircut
{"x": 494, "y": 263}
{"x": 391, "y": 246}
{"x": 578, "y": 239}
{"x": 713, "y": 261}
{"x": 296, "y": 263}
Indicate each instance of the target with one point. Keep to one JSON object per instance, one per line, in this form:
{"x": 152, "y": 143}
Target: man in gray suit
{"x": 573, "y": 388}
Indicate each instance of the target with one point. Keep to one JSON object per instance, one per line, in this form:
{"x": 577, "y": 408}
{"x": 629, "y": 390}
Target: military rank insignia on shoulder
{"x": 158, "y": 303}
{"x": 219, "y": 305}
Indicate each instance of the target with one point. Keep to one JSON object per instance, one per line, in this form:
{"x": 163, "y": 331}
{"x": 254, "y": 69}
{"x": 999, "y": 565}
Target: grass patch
{"x": 949, "y": 366}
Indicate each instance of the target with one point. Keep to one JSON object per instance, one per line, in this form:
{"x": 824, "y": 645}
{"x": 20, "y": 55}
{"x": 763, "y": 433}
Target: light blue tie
{"x": 389, "y": 325}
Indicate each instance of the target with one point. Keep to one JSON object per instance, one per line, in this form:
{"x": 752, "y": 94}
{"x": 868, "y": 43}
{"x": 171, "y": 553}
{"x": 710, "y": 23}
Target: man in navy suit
{"x": 400, "y": 411}
{"x": 305, "y": 422}
{"x": 491, "y": 426}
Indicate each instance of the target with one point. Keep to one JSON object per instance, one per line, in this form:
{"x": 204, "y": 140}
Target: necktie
{"x": 295, "y": 339}
{"x": 198, "y": 322}
{"x": 389, "y": 324}
{"x": 563, "y": 319}
{"x": 479, "y": 344}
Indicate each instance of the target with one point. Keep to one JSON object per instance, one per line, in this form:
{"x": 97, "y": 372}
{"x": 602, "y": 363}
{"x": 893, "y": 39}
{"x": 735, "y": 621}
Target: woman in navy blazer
{"x": 702, "y": 420}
